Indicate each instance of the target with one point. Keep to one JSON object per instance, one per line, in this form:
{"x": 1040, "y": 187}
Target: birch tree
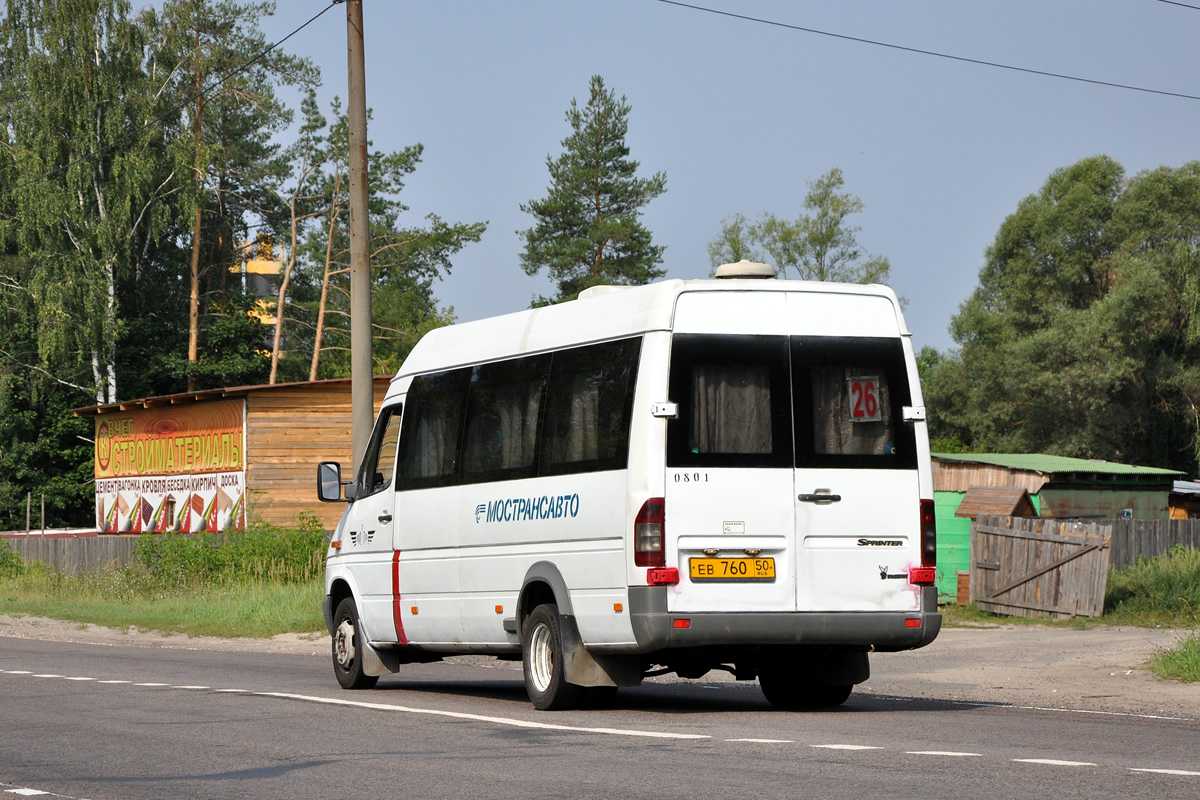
{"x": 75, "y": 87}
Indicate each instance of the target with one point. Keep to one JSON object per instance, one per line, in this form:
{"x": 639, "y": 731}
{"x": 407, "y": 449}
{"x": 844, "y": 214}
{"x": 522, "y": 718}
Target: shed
{"x": 1185, "y": 500}
{"x": 1056, "y": 486}
{"x": 1000, "y": 501}
{"x": 214, "y": 459}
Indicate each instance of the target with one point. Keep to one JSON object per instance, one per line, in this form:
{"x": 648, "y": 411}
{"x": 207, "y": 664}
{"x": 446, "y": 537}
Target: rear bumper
{"x": 655, "y": 628}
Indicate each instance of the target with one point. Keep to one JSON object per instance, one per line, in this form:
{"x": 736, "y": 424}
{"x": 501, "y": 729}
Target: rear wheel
{"x": 347, "y": 648}
{"x": 793, "y": 689}
{"x": 542, "y": 659}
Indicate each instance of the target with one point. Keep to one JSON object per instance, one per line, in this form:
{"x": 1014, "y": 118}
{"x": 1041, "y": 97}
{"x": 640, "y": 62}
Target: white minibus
{"x": 679, "y": 477}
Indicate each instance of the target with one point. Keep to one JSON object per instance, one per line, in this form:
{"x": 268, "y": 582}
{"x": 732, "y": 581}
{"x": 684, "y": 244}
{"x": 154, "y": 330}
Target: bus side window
{"x": 505, "y": 403}
{"x": 589, "y": 404}
{"x": 430, "y": 440}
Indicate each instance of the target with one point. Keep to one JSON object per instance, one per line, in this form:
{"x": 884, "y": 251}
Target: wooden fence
{"x": 75, "y": 554}
{"x": 1136, "y": 538}
{"x": 1039, "y": 567}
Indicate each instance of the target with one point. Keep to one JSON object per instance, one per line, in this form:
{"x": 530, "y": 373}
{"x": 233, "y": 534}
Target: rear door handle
{"x": 819, "y": 497}
{"x": 385, "y": 517}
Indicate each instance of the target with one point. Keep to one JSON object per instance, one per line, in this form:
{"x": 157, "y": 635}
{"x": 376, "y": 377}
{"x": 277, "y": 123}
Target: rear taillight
{"x": 922, "y": 576}
{"x": 649, "y": 548}
{"x": 662, "y": 576}
{"x": 928, "y": 535}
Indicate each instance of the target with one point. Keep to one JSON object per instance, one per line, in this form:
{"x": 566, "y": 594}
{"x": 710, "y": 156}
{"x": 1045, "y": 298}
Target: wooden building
{"x": 218, "y": 459}
{"x": 1041, "y": 485}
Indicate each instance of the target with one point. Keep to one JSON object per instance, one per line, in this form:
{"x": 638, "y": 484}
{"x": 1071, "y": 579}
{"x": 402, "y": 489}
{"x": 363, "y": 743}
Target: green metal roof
{"x": 1045, "y": 464}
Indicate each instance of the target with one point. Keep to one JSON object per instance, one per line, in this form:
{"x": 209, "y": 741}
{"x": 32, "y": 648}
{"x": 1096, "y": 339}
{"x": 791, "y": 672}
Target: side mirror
{"x": 329, "y": 482}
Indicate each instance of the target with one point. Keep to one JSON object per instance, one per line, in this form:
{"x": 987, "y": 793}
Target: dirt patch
{"x": 1101, "y": 669}
{"x": 60, "y": 631}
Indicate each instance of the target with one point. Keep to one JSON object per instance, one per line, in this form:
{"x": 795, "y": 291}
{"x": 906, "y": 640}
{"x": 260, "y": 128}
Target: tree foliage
{"x": 405, "y": 258}
{"x": 1082, "y": 336}
{"x": 819, "y": 245}
{"x": 587, "y": 230}
{"x": 138, "y": 153}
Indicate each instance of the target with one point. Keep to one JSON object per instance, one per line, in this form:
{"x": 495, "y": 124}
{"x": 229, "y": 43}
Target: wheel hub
{"x": 343, "y": 644}
{"x": 541, "y": 661}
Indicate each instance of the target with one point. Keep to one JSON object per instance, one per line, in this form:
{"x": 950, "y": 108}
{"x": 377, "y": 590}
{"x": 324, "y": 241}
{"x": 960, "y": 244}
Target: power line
{"x": 934, "y": 53}
{"x": 1181, "y": 5}
{"x": 159, "y": 119}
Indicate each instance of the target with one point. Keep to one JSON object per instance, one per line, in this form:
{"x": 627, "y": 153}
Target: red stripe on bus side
{"x": 400, "y": 637}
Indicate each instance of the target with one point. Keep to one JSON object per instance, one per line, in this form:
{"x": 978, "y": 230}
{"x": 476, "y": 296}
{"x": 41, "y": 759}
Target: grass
{"x": 1182, "y": 662}
{"x": 257, "y": 583}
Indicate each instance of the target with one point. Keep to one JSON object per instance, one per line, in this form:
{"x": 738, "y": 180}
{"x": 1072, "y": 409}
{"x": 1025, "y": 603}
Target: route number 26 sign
{"x": 864, "y": 399}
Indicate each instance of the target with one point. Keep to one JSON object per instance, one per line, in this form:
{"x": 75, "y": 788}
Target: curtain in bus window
{"x": 502, "y": 418}
{"x": 518, "y": 407}
{"x": 433, "y": 444}
{"x": 731, "y": 409}
{"x": 851, "y": 412}
{"x": 583, "y": 435}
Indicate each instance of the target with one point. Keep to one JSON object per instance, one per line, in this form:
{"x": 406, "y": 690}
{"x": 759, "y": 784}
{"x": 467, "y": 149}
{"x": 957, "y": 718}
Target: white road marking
{"x": 516, "y": 723}
{"x": 1103, "y": 713}
{"x": 1165, "y": 771}
{"x": 610, "y": 731}
{"x": 845, "y": 747}
{"x": 984, "y": 704}
{"x": 25, "y": 792}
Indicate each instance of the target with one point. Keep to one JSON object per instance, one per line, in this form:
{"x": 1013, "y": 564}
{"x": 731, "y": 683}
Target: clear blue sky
{"x": 741, "y": 114}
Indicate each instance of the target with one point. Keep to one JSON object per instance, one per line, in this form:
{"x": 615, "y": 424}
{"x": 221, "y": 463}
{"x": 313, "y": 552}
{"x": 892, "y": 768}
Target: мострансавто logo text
{"x": 517, "y": 509}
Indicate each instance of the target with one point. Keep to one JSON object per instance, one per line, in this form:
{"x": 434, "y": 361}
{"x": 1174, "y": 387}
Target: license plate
{"x": 733, "y": 570}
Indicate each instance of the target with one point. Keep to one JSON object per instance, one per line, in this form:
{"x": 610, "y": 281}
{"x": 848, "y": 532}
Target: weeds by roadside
{"x": 258, "y": 583}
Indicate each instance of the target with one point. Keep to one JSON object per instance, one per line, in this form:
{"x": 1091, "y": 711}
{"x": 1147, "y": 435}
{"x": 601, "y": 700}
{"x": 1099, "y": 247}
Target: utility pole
{"x": 362, "y": 382}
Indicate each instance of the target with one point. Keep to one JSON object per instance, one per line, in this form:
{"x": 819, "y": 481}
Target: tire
{"x": 792, "y": 690}
{"x": 542, "y": 659}
{"x": 347, "y": 663}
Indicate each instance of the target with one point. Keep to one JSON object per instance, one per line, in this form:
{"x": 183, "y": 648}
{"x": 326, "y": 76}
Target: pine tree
{"x": 587, "y": 229}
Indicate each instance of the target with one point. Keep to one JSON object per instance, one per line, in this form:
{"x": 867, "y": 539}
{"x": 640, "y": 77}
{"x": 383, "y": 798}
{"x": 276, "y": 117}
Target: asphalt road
{"x": 100, "y": 722}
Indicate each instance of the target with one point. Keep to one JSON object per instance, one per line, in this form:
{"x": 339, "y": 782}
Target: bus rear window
{"x": 734, "y": 402}
{"x": 777, "y": 401}
{"x": 848, "y": 395}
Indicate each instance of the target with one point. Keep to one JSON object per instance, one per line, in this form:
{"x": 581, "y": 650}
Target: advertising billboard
{"x": 176, "y": 468}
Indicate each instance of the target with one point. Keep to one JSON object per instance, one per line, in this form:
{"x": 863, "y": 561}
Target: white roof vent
{"x": 745, "y": 269}
{"x": 593, "y": 291}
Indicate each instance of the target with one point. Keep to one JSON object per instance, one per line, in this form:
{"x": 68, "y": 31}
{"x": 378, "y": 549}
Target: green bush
{"x": 259, "y": 553}
{"x": 11, "y": 562}
{"x": 1167, "y": 584}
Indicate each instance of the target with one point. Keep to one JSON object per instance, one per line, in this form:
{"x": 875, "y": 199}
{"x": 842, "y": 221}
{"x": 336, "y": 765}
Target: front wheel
{"x": 542, "y": 659}
{"x": 347, "y": 648}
